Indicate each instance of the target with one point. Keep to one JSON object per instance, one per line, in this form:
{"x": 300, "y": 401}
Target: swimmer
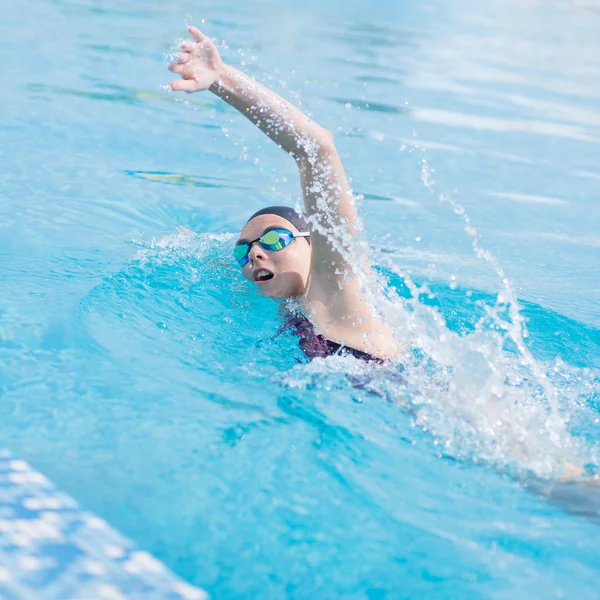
{"x": 278, "y": 252}
{"x": 276, "y": 249}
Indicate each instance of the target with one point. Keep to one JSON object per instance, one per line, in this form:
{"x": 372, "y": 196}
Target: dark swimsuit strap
{"x": 335, "y": 348}
{"x": 315, "y": 345}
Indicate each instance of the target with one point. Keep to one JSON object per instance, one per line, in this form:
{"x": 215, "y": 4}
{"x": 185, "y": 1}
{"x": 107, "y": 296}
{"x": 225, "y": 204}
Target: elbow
{"x": 318, "y": 143}
{"x": 325, "y": 140}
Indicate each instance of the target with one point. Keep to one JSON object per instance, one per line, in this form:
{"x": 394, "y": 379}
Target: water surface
{"x": 143, "y": 376}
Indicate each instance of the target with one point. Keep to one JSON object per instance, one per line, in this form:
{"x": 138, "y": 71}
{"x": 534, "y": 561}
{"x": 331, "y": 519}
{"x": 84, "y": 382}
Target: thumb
{"x": 183, "y": 85}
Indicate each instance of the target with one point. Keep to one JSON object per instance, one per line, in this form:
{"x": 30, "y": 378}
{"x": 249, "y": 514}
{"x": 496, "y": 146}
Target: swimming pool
{"x": 141, "y": 374}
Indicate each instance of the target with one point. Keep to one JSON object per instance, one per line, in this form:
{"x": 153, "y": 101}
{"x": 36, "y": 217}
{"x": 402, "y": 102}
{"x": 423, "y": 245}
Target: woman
{"x": 275, "y": 249}
{"x": 313, "y": 267}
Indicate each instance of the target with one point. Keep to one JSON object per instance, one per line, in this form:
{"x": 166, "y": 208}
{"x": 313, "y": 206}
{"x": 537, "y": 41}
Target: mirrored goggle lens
{"x": 240, "y": 252}
{"x": 275, "y": 240}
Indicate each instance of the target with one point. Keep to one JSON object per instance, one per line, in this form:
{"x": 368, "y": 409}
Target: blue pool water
{"x": 144, "y": 377}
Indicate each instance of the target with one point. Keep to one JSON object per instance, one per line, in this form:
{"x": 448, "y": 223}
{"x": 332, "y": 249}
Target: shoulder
{"x": 345, "y": 316}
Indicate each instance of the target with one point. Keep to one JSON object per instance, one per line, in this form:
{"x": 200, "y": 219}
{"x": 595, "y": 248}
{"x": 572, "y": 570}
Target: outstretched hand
{"x": 199, "y": 64}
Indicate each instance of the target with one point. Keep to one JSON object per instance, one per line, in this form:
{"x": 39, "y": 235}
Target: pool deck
{"x": 52, "y": 549}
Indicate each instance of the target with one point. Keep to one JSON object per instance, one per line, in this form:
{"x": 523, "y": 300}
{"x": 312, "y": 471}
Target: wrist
{"x": 222, "y": 80}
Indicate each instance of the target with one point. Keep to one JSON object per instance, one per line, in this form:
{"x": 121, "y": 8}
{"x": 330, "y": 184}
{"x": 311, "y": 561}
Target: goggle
{"x": 273, "y": 240}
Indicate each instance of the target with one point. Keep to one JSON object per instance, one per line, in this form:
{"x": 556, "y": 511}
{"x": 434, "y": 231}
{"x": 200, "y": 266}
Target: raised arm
{"x": 334, "y": 293}
{"x": 326, "y": 192}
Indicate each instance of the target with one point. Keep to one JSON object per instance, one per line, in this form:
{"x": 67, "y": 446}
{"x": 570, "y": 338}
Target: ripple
{"x": 381, "y": 36}
{"x": 431, "y": 145}
{"x": 511, "y": 157}
{"x": 592, "y": 241}
{"x": 191, "y": 180}
{"x": 366, "y": 66}
{"x": 375, "y": 79}
{"x": 117, "y": 93}
{"x": 528, "y": 198}
{"x": 569, "y": 113}
{"x": 455, "y": 119}
{"x": 372, "y": 106}
{"x": 105, "y": 48}
{"x": 397, "y": 200}
{"x": 587, "y": 175}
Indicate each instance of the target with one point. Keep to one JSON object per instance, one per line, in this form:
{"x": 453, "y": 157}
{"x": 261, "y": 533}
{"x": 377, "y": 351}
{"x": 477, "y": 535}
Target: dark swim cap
{"x": 298, "y": 220}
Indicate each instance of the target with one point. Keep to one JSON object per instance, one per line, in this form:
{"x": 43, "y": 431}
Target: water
{"x": 144, "y": 377}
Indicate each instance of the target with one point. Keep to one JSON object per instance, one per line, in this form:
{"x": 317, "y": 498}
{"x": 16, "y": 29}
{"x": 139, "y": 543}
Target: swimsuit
{"x": 315, "y": 345}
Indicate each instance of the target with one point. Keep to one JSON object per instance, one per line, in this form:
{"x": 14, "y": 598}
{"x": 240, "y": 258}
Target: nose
{"x": 256, "y": 252}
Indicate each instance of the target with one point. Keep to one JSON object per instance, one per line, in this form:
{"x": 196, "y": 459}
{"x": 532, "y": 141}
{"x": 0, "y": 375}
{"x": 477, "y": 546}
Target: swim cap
{"x": 298, "y": 220}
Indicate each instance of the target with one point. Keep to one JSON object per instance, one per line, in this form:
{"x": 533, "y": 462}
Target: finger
{"x": 198, "y": 35}
{"x": 187, "y": 46}
{"x": 184, "y": 69}
{"x": 183, "y": 57}
{"x": 182, "y": 85}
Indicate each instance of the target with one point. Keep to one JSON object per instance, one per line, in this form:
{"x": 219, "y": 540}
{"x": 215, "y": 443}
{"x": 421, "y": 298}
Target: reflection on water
{"x": 478, "y": 122}
{"x": 191, "y": 180}
{"x": 115, "y": 93}
{"x": 528, "y": 198}
{"x": 374, "y": 106}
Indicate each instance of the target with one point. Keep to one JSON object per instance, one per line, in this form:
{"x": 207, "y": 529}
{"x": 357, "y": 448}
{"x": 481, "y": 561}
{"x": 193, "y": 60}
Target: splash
{"x": 185, "y": 247}
{"x": 481, "y": 395}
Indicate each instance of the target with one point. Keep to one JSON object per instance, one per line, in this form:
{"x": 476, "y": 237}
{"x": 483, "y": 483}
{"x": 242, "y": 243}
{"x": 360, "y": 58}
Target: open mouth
{"x": 262, "y": 275}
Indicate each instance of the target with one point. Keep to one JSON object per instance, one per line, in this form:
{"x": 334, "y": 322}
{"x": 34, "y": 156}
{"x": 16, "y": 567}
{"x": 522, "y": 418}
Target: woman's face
{"x": 282, "y": 273}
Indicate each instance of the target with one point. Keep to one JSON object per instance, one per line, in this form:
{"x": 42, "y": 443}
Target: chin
{"x": 278, "y": 294}
{"x": 269, "y": 293}
{"x": 286, "y": 287}
{"x": 275, "y": 295}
